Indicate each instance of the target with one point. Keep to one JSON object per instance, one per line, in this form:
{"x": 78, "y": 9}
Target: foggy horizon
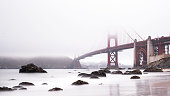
{"x": 72, "y": 28}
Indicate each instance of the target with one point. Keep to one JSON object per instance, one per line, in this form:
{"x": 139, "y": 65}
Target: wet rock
{"x": 23, "y": 88}
{"x": 79, "y": 82}
{"x": 6, "y": 89}
{"x": 31, "y": 68}
{"x": 127, "y": 73}
{"x": 136, "y": 71}
{"x": 135, "y": 77}
{"x": 12, "y": 79}
{"x": 55, "y": 89}
{"x": 26, "y": 84}
{"x": 84, "y": 75}
{"x": 117, "y": 72}
{"x": 106, "y": 70}
{"x": 153, "y": 69}
{"x": 94, "y": 77}
{"x": 44, "y": 84}
{"x": 99, "y": 73}
{"x": 17, "y": 87}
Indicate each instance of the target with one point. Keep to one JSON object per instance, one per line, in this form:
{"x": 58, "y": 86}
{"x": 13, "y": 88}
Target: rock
{"x": 26, "y": 84}
{"x": 135, "y": 77}
{"x": 117, "y": 72}
{"x": 17, "y": 87}
{"x": 6, "y": 89}
{"x": 44, "y": 84}
{"x": 55, "y": 89}
{"x": 106, "y": 70}
{"x": 23, "y": 88}
{"x": 79, "y": 82}
{"x": 94, "y": 77}
{"x": 136, "y": 71}
{"x": 99, "y": 73}
{"x": 12, "y": 79}
{"x": 31, "y": 68}
{"x": 153, "y": 69}
{"x": 84, "y": 75}
{"x": 127, "y": 73}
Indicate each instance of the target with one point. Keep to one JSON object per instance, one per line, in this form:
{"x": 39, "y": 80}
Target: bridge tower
{"x": 112, "y": 55}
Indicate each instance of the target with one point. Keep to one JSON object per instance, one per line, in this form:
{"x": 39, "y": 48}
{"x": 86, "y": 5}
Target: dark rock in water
{"x": 6, "y": 89}
{"x": 153, "y": 69}
{"x": 94, "y": 77}
{"x": 26, "y": 84}
{"x": 117, "y": 72}
{"x": 79, "y": 82}
{"x": 31, "y": 68}
{"x": 106, "y": 70}
{"x": 135, "y": 77}
{"x": 44, "y": 84}
{"x": 12, "y": 79}
{"x": 84, "y": 75}
{"x": 23, "y": 88}
{"x": 16, "y": 87}
{"x": 99, "y": 73}
{"x": 127, "y": 73}
{"x": 55, "y": 89}
{"x": 136, "y": 71}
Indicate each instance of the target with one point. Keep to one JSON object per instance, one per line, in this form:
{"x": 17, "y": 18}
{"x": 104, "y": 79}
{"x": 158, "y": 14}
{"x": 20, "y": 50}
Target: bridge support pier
{"x": 112, "y": 56}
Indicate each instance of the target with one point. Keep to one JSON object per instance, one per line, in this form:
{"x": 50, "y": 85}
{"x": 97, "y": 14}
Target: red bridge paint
{"x": 140, "y": 46}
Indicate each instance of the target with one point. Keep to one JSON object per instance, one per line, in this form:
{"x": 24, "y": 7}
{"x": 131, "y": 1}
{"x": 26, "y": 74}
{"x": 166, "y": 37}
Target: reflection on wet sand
{"x": 141, "y": 88}
{"x": 147, "y": 88}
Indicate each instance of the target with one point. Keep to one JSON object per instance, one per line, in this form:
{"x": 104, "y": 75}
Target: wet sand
{"x": 162, "y": 84}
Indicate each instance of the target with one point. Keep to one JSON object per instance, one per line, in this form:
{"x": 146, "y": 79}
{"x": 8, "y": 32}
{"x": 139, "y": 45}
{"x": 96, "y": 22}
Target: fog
{"x": 74, "y": 27}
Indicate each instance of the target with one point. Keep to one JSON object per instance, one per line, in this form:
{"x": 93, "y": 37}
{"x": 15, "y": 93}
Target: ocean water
{"x": 112, "y": 85}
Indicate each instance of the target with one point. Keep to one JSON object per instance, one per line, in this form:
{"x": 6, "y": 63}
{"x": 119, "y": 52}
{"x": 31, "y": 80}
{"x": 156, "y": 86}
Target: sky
{"x": 74, "y": 27}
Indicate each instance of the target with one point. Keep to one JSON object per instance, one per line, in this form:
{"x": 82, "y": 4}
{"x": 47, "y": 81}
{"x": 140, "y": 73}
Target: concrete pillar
{"x": 135, "y": 54}
{"x": 149, "y": 49}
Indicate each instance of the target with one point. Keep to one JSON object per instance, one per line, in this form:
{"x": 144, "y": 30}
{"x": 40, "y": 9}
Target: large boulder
{"x": 79, "y": 82}
{"x": 99, "y": 73}
{"x": 153, "y": 69}
{"x": 31, "y": 68}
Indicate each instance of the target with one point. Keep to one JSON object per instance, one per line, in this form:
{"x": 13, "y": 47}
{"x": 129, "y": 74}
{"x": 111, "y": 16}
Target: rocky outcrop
{"x": 55, "y": 89}
{"x": 79, "y": 82}
{"x": 153, "y": 69}
{"x": 31, "y": 68}
{"x": 6, "y": 89}
{"x": 26, "y": 84}
{"x": 135, "y": 77}
{"x": 162, "y": 63}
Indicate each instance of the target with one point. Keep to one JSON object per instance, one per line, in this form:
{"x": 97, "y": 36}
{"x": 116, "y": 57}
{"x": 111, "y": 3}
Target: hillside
{"x": 44, "y": 62}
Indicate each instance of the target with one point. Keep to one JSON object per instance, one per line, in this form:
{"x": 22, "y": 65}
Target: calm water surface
{"x": 112, "y": 85}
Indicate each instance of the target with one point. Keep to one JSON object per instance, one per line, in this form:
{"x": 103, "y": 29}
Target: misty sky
{"x": 74, "y": 27}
